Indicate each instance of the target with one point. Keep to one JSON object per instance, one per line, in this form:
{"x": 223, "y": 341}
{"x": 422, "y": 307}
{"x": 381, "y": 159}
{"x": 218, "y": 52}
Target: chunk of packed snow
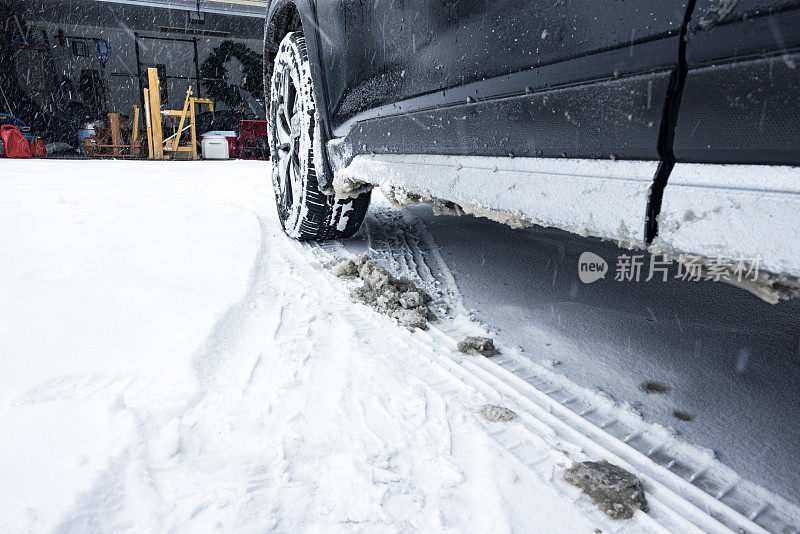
{"x": 497, "y": 414}
{"x": 399, "y": 298}
{"x": 345, "y": 269}
{"x": 478, "y": 346}
{"x": 614, "y": 490}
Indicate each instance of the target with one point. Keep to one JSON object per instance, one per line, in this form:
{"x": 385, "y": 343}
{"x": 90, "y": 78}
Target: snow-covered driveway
{"x": 170, "y": 361}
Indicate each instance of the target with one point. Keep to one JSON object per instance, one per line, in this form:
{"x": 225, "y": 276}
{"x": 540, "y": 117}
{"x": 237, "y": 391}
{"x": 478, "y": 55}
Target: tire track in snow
{"x": 469, "y": 397}
{"x": 715, "y": 491}
{"x": 229, "y": 327}
{"x": 255, "y": 449}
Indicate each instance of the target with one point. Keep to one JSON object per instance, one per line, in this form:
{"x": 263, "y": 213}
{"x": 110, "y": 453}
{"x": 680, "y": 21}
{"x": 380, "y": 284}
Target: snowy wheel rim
{"x": 287, "y": 121}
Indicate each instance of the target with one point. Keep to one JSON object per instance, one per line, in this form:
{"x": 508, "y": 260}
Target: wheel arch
{"x": 285, "y": 16}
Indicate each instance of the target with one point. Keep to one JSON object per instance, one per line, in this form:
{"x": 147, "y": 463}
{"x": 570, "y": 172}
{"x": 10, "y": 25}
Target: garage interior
{"x": 74, "y": 75}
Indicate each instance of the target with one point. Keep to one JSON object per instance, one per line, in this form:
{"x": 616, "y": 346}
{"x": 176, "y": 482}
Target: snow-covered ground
{"x": 170, "y": 361}
{"x": 731, "y": 360}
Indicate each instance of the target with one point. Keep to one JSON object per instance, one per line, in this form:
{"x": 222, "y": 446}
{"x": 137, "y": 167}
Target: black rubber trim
{"x": 666, "y": 137}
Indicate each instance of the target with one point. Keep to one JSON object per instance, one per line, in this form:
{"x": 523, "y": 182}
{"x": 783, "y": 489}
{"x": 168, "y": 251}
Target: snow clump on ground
{"x": 614, "y": 490}
{"x": 478, "y": 346}
{"x": 399, "y": 298}
{"x": 497, "y": 414}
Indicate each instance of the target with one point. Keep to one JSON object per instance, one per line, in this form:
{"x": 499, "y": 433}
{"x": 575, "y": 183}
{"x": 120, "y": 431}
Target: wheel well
{"x": 285, "y": 19}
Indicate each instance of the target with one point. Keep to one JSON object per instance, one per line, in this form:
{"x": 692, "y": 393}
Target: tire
{"x": 295, "y": 133}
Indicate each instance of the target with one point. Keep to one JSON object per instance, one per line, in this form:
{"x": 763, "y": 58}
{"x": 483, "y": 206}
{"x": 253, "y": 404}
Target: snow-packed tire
{"x": 296, "y": 140}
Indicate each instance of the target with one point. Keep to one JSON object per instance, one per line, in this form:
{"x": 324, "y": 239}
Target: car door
{"x": 388, "y": 57}
{"x": 741, "y": 102}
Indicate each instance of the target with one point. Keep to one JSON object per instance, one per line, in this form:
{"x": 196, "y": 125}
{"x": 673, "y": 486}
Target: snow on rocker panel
{"x": 736, "y": 212}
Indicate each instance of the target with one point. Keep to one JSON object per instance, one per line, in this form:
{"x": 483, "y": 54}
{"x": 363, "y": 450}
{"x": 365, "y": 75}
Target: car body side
{"x": 604, "y": 118}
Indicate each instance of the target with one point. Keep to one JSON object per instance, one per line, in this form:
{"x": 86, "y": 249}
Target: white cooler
{"x": 215, "y": 144}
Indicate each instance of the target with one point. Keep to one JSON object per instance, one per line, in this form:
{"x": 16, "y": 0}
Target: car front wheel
{"x": 295, "y": 134}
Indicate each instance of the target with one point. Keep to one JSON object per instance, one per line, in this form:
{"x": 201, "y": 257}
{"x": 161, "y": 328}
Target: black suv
{"x": 670, "y": 125}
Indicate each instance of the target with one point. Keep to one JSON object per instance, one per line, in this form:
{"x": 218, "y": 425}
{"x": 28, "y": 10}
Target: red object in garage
{"x": 14, "y": 143}
{"x": 38, "y": 149}
{"x": 253, "y": 141}
{"x": 231, "y": 146}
